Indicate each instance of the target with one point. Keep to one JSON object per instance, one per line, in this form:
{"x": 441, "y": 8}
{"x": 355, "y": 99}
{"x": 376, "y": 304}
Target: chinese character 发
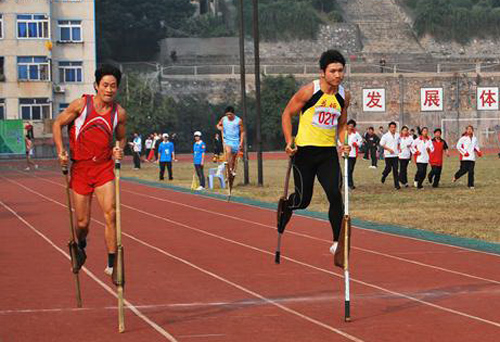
{"x": 432, "y": 98}
{"x": 374, "y": 97}
{"x": 488, "y": 98}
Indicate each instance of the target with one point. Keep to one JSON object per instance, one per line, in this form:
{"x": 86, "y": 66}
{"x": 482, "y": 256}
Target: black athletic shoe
{"x": 352, "y": 187}
{"x": 382, "y": 180}
{"x": 81, "y": 257}
{"x": 284, "y": 214}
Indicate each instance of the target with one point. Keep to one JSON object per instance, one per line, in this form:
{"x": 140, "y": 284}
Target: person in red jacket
{"x": 436, "y": 158}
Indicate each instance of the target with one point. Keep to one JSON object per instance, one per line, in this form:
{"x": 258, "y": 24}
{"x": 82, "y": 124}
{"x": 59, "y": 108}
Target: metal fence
{"x": 305, "y": 69}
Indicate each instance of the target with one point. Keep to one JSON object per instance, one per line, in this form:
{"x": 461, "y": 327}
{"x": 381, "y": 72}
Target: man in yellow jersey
{"x": 322, "y": 106}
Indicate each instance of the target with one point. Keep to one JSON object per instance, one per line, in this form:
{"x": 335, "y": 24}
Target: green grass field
{"x": 451, "y": 209}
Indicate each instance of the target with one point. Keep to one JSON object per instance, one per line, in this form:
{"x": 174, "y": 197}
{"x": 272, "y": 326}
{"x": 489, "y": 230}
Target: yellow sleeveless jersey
{"x": 319, "y": 118}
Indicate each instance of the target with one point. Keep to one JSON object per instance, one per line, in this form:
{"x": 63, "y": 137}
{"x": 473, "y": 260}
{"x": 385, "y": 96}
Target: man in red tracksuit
{"x": 436, "y": 158}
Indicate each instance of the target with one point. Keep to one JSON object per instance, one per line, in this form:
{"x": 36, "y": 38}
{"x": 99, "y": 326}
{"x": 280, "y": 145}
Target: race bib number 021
{"x": 325, "y": 117}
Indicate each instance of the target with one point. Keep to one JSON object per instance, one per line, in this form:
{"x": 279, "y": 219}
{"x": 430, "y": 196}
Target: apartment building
{"x": 47, "y": 58}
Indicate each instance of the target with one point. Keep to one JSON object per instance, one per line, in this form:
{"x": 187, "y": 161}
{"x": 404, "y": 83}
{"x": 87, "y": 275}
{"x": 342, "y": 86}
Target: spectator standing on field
{"x": 30, "y": 152}
{"x": 136, "y": 146}
{"x": 148, "y": 145}
{"x": 355, "y": 141}
{"x": 199, "y": 149}
{"x": 381, "y": 150}
{"x": 372, "y": 140}
{"x": 166, "y": 152}
{"x": 436, "y": 158}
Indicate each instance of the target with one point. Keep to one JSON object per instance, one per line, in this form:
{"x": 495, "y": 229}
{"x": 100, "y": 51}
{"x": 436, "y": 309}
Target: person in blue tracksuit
{"x": 199, "y": 150}
{"x": 166, "y": 152}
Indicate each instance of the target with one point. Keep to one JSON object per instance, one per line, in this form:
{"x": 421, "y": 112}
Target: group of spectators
{"x": 160, "y": 149}
{"x": 397, "y": 149}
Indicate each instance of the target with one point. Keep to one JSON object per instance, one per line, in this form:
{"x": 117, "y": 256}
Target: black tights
{"x": 323, "y": 162}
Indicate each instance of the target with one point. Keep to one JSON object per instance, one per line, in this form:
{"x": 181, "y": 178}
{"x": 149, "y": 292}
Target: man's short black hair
{"x": 329, "y": 57}
{"x": 108, "y": 69}
{"x": 351, "y": 122}
{"x": 438, "y": 130}
{"x": 229, "y": 109}
{"x": 392, "y": 123}
{"x": 404, "y": 127}
{"x": 371, "y": 127}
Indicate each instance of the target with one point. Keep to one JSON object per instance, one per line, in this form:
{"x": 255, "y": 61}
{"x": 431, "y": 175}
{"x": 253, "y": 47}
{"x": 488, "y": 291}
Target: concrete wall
{"x": 402, "y": 99}
{"x": 190, "y": 48}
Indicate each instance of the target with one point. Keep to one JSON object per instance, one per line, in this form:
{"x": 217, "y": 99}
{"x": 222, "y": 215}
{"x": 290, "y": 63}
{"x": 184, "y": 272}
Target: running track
{"x": 201, "y": 269}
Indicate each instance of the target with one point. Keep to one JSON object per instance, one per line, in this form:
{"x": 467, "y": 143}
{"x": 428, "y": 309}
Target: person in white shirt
{"x": 355, "y": 141}
{"x": 390, "y": 143}
{"x": 148, "y": 145}
{"x": 468, "y": 147}
{"x": 421, "y": 148}
{"x": 405, "y": 142}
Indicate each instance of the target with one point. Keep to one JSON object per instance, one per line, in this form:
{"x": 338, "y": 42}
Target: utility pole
{"x": 243, "y": 93}
{"x": 260, "y": 175}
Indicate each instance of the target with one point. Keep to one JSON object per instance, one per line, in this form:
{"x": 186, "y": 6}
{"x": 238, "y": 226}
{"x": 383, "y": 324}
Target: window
{"x": 2, "y": 109}
{"x": 70, "y": 72}
{"x": 63, "y": 106}
{"x": 2, "y": 74}
{"x": 70, "y": 31}
{"x": 35, "y": 109}
{"x": 34, "y": 26}
{"x": 33, "y": 68}
{"x": 1, "y": 26}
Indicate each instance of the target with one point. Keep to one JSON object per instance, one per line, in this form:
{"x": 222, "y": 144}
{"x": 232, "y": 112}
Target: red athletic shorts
{"x": 86, "y": 175}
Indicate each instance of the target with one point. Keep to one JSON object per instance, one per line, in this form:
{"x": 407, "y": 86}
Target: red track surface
{"x": 200, "y": 269}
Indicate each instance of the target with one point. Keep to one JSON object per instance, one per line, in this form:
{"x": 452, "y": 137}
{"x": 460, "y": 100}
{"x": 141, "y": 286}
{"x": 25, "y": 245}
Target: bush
{"x": 457, "y": 20}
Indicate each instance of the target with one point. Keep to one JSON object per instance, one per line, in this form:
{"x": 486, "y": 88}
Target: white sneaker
{"x": 333, "y": 248}
{"x": 372, "y": 167}
{"x": 108, "y": 271}
{"x": 27, "y": 169}
{"x": 200, "y": 188}
{"x": 415, "y": 184}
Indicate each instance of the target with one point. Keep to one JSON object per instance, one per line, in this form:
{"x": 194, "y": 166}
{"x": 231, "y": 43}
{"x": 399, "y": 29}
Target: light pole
{"x": 243, "y": 93}
{"x": 260, "y": 175}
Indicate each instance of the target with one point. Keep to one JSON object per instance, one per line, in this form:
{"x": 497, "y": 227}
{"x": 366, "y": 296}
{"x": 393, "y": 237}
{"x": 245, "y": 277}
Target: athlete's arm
{"x": 242, "y": 134}
{"x": 67, "y": 116}
{"x": 219, "y": 125}
{"x": 120, "y": 133}
{"x": 342, "y": 125}
{"x": 292, "y": 109}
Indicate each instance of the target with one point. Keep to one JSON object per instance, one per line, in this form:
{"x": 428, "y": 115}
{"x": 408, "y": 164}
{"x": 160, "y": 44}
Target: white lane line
{"x": 318, "y": 239}
{"x": 298, "y": 214}
{"x": 398, "y": 294}
{"x": 213, "y": 275}
{"x": 93, "y": 277}
{"x": 307, "y": 236}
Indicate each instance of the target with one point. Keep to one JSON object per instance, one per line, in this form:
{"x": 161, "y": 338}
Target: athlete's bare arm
{"x": 120, "y": 133}
{"x": 65, "y": 118}
{"x": 342, "y": 125}
{"x": 242, "y": 134}
{"x": 292, "y": 109}
{"x": 219, "y": 125}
